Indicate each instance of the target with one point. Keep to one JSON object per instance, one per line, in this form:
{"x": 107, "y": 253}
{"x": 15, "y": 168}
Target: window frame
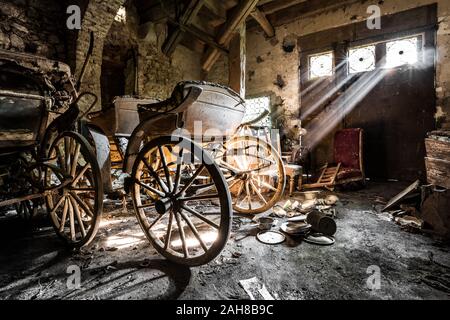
{"x": 374, "y": 45}
{"x": 420, "y": 51}
{"x": 254, "y": 97}
{"x": 333, "y": 63}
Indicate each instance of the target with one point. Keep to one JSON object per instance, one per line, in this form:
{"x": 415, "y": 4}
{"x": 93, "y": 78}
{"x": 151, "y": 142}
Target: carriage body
{"x": 41, "y": 155}
{"x": 28, "y": 85}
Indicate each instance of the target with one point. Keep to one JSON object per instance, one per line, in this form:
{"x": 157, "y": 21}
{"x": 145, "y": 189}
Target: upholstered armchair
{"x": 348, "y": 151}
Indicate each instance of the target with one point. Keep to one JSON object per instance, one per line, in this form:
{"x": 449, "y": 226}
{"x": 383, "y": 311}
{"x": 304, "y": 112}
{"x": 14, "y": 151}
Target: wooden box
{"x": 438, "y": 172}
{"x": 437, "y": 149}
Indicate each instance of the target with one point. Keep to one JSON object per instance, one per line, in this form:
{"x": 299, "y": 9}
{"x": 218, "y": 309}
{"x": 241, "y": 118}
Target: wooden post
{"x": 237, "y": 61}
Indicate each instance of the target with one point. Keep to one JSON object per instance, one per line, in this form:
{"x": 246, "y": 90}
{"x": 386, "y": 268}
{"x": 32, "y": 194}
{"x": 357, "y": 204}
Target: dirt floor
{"x": 120, "y": 264}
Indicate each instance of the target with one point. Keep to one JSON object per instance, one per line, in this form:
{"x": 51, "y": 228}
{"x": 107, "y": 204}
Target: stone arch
{"x": 98, "y": 17}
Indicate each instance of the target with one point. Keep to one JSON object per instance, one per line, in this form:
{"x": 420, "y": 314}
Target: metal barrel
{"x": 321, "y": 223}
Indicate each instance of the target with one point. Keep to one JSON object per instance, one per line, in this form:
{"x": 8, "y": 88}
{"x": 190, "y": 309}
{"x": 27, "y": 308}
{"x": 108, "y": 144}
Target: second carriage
{"x": 187, "y": 166}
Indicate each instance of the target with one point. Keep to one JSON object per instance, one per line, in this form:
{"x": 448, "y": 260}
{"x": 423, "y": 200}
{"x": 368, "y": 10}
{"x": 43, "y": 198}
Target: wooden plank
{"x": 438, "y": 149}
{"x": 438, "y": 172}
{"x": 398, "y": 198}
{"x": 261, "y": 18}
{"x": 274, "y": 6}
{"x": 217, "y": 13}
{"x": 237, "y": 18}
{"x": 189, "y": 14}
{"x": 304, "y": 9}
{"x": 200, "y": 35}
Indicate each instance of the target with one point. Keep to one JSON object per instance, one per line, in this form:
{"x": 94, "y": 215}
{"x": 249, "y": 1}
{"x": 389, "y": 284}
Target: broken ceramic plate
{"x": 295, "y": 228}
{"x": 287, "y": 205}
{"x": 331, "y": 200}
{"x": 271, "y": 237}
{"x": 310, "y": 195}
{"x": 301, "y": 218}
{"x": 308, "y": 205}
{"x": 279, "y": 211}
{"x": 319, "y": 239}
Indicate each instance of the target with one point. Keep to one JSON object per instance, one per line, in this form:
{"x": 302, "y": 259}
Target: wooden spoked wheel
{"x": 255, "y": 174}
{"x": 181, "y": 200}
{"x": 75, "y": 207}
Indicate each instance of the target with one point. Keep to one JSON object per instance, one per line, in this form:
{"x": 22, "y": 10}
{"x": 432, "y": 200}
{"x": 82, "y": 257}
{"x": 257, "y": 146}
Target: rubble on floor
{"x": 308, "y": 216}
{"x": 421, "y": 208}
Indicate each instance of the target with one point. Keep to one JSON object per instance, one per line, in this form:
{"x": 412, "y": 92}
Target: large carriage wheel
{"x": 255, "y": 174}
{"x": 181, "y": 200}
{"x": 75, "y": 208}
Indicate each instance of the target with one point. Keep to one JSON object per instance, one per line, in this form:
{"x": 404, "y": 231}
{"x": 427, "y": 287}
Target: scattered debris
{"x": 398, "y": 198}
{"x": 236, "y": 254}
{"x": 296, "y": 228}
{"x": 331, "y": 200}
{"x": 301, "y": 218}
{"x": 319, "y": 239}
{"x": 279, "y": 211}
{"x": 255, "y": 289}
{"x": 409, "y": 221}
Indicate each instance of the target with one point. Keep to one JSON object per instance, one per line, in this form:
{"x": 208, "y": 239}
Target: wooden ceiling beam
{"x": 265, "y": 24}
{"x": 188, "y": 16}
{"x": 200, "y": 35}
{"x": 274, "y": 6}
{"x": 237, "y": 18}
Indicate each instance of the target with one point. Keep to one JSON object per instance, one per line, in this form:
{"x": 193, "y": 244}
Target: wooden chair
{"x": 327, "y": 178}
{"x": 292, "y": 170}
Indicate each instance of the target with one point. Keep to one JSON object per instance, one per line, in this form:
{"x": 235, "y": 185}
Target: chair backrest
{"x": 348, "y": 148}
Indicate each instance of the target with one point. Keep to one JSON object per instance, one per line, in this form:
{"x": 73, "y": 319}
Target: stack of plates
{"x": 295, "y": 228}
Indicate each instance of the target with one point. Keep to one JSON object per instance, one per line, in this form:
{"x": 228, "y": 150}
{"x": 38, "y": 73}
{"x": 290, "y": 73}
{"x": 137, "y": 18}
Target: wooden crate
{"x": 438, "y": 172}
{"x": 438, "y": 149}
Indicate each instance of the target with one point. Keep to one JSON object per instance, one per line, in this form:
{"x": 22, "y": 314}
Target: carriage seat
{"x": 179, "y": 94}
{"x": 121, "y": 118}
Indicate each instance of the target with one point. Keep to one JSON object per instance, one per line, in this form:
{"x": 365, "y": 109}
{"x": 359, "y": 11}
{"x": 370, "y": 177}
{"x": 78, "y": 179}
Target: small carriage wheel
{"x": 255, "y": 174}
{"x": 181, "y": 200}
{"x": 76, "y": 204}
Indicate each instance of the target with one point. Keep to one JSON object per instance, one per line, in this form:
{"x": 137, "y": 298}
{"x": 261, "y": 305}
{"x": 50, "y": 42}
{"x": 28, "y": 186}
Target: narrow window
{"x": 361, "y": 59}
{"x": 255, "y": 107}
{"x": 402, "y": 52}
{"x": 321, "y": 65}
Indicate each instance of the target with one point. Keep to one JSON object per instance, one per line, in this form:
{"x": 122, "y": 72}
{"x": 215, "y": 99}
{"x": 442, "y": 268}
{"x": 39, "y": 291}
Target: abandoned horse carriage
{"x": 181, "y": 189}
{"x": 43, "y": 160}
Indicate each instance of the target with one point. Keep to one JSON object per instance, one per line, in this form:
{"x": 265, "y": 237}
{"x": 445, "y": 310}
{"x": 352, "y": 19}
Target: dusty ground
{"x": 120, "y": 264}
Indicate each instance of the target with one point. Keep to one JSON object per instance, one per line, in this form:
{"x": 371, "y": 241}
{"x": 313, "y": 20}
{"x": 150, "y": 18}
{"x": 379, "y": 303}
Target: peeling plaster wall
{"x": 267, "y": 60}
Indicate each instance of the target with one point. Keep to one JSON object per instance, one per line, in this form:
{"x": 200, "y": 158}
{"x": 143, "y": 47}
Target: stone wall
{"x": 157, "y": 75}
{"x": 273, "y": 70}
{"x": 33, "y": 26}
